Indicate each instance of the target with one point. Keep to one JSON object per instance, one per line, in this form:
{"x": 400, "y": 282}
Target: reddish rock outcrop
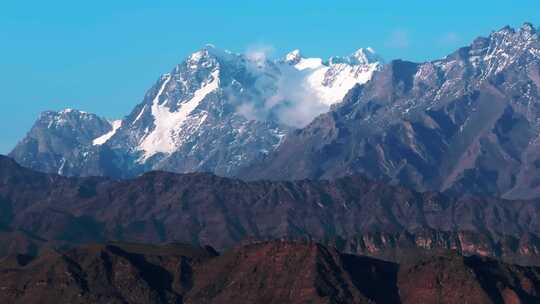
{"x": 266, "y": 272}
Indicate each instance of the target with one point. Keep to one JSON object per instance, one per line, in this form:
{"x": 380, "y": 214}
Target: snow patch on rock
{"x": 167, "y": 124}
{"x": 105, "y": 137}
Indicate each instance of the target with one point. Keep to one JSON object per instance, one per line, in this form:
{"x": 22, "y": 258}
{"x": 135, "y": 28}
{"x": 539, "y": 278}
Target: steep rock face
{"x": 455, "y": 279}
{"x": 267, "y": 272}
{"x": 276, "y": 273}
{"x": 467, "y": 123}
{"x": 396, "y": 246}
{"x": 215, "y": 112}
{"x": 62, "y": 142}
{"x": 114, "y": 273}
{"x": 352, "y": 213}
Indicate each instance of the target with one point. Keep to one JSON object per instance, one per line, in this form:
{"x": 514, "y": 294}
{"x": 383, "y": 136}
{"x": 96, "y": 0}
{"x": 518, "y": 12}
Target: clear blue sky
{"x": 101, "y": 56}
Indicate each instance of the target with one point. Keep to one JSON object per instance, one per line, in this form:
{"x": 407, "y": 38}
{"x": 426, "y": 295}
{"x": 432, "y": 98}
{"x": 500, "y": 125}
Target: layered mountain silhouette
{"x": 352, "y": 213}
{"x": 244, "y": 179}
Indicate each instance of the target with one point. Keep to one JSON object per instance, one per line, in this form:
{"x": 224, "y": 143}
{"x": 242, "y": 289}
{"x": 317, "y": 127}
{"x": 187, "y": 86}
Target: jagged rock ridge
{"x": 468, "y": 123}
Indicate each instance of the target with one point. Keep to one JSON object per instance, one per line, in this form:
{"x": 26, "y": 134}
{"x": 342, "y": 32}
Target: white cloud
{"x": 295, "y": 103}
{"x": 450, "y": 38}
{"x": 259, "y": 53}
{"x": 399, "y": 39}
{"x": 286, "y": 96}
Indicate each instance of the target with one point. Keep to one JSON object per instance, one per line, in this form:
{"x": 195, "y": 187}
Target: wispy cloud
{"x": 449, "y": 39}
{"x": 398, "y": 39}
{"x": 286, "y": 95}
{"x": 259, "y": 53}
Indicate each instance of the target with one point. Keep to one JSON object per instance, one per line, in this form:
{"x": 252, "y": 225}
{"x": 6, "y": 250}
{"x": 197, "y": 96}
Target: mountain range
{"x": 466, "y": 124}
{"x": 240, "y": 178}
{"x": 353, "y": 214}
{"x": 215, "y": 112}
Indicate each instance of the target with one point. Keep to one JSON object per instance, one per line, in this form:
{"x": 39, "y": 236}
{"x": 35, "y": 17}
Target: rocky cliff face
{"x": 62, "y": 142}
{"x": 272, "y": 272}
{"x": 467, "y": 123}
{"x": 524, "y": 250}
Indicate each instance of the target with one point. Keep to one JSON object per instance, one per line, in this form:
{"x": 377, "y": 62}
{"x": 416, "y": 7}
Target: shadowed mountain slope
{"x": 352, "y": 213}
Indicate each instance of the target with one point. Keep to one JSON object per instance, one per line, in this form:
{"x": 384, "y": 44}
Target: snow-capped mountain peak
{"x": 329, "y": 81}
{"x": 366, "y": 56}
{"x": 218, "y": 111}
{"x": 362, "y": 56}
{"x": 216, "y": 85}
{"x": 66, "y": 117}
{"x": 528, "y": 28}
{"x": 504, "y": 48}
{"x": 293, "y": 57}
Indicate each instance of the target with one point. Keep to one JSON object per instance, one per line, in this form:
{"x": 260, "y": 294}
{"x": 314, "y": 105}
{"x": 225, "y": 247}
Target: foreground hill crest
{"x": 269, "y": 272}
